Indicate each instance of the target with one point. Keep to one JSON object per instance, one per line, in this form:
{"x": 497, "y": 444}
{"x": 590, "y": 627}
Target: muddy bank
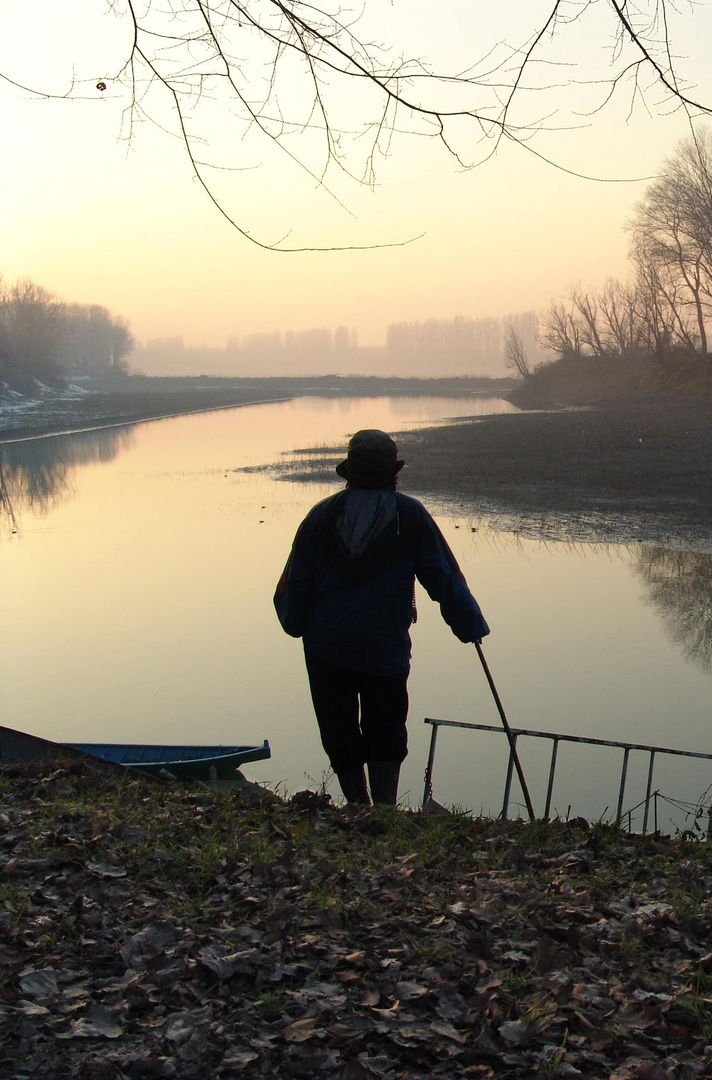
{"x": 645, "y": 468}
{"x": 615, "y": 472}
{"x": 96, "y": 410}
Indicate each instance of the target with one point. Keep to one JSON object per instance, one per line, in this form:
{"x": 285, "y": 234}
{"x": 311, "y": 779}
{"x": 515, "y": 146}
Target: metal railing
{"x": 690, "y": 810}
{"x": 557, "y": 738}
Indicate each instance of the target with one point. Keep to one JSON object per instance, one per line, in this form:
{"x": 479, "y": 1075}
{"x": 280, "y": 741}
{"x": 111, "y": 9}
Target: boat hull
{"x": 180, "y": 762}
{"x": 194, "y": 762}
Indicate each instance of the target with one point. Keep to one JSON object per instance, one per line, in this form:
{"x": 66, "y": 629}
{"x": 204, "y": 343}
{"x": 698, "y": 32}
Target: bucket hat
{"x": 371, "y": 459}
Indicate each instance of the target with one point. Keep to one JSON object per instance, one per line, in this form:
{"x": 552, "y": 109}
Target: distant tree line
{"x": 462, "y": 344}
{"x": 292, "y": 352}
{"x": 459, "y": 346}
{"x": 42, "y": 337}
{"x": 663, "y": 312}
{"x": 317, "y": 341}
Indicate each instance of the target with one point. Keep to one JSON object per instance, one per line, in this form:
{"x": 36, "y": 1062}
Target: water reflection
{"x": 38, "y": 473}
{"x": 679, "y": 585}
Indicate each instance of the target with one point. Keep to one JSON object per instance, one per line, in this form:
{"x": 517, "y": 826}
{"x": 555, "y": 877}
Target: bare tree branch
{"x": 280, "y": 68}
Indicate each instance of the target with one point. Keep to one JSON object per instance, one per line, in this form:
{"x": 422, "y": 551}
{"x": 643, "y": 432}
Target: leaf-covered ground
{"x": 148, "y": 930}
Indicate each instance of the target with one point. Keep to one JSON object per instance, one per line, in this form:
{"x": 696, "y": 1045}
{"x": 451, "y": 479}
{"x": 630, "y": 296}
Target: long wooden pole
{"x": 508, "y": 731}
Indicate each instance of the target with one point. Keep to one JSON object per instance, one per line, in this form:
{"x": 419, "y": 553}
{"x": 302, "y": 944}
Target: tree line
{"x": 42, "y": 337}
{"x": 458, "y": 346}
{"x": 463, "y": 342}
{"x": 662, "y": 313}
{"x": 317, "y": 340}
{"x": 271, "y": 352}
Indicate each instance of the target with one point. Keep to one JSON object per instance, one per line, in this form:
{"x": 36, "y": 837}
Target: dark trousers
{"x": 361, "y": 717}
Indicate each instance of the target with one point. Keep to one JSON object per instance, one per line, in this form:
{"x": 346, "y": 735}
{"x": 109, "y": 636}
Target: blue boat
{"x": 194, "y": 762}
{"x": 183, "y": 762}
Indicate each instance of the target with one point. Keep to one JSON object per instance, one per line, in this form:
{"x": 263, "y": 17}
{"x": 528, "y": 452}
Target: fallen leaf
{"x": 31, "y": 1008}
{"x": 96, "y": 1026}
{"x": 225, "y": 964}
{"x": 103, "y": 869}
{"x": 147, "y": 944}
{"x": 238, "y": 1059}
{"x": 300, "y": 1030}
{"x": 514, "y": 1032}
{"x": 449, "y": 1032}
{"x": 39, "y": 985}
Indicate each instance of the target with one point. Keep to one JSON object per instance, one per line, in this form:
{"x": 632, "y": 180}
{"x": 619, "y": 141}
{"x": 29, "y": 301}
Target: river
{"x": 137, "y": 580}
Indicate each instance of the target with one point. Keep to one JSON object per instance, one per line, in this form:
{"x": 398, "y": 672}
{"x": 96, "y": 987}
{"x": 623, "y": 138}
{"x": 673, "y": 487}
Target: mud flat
{"x": 616, "y": 473}
{"x": 641, "y": 472}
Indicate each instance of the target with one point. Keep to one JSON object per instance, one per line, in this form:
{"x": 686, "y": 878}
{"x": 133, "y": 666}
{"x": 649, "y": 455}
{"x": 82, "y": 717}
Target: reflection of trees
{"x": 679, "y": 585}
{"x": 38, "y": 473}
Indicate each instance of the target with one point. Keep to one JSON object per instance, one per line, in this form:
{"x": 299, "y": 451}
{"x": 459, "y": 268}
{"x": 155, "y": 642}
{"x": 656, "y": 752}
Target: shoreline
{"x": 137, "y": 420}
{"x": 97, "y": 412}
{"x": 116, "y": 402}
{"x": 611, "y": 473}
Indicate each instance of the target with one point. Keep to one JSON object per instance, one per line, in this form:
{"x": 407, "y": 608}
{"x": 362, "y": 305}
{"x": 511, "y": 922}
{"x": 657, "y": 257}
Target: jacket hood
{"x": 366, "y": 513}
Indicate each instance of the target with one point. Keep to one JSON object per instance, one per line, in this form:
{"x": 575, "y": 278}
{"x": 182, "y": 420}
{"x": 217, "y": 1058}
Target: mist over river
{"x": 138, "y": 566}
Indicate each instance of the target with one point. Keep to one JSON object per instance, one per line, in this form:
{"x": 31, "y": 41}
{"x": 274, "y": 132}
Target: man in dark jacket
{"x": 348, "y": 590}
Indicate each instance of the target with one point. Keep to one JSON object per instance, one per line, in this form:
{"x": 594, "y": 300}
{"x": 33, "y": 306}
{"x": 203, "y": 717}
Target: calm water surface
{"x": 137, "y": 606}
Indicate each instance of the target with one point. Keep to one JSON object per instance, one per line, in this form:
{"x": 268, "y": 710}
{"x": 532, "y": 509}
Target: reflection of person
{"x": 348, "y": 590}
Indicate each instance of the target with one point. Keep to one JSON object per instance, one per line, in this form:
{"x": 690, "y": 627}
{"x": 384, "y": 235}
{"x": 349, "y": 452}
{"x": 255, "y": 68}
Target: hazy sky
{"x": 101, "y": 219}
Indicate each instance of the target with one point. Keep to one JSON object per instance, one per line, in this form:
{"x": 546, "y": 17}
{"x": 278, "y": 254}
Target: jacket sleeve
{"x": 292, "y": 598}
{"x": 438, "y": 572}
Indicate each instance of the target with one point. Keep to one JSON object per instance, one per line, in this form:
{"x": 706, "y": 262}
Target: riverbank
{"x": 155, "y": 930}
{"x": 110, "y": 402}
{"x": 69, "y": 411}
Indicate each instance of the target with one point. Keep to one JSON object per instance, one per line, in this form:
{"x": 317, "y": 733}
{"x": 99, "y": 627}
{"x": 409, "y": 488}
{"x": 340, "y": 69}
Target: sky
{"x": 99, "y": 217}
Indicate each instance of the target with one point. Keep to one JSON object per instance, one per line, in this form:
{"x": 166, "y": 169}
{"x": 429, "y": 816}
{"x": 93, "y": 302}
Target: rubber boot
{"x": 353, "y": 785}
{"x": 383, "y": 777}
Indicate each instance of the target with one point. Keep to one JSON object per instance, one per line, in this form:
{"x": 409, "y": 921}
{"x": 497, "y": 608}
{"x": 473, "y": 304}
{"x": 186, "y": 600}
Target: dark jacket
{"x": 356, "y": 611}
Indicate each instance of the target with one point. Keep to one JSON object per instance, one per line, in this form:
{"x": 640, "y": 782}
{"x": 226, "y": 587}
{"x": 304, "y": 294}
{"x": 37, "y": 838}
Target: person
{"x": 348, "y": 590}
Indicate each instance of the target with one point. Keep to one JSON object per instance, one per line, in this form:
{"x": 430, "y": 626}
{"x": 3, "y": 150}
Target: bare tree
{"x": 514, "y": 353}
{"x": 623, "y": 318}
{"x": 671, "y": 232}
{"x": 662, "y": 306}
{"x": 309, "y": 80}
{"x": 94, "y": 339}
{"x": 609, "y": 321}
{"x": 559, "y": 330}
{"x": 31, "y": 328}
{"x": 665, "y": 310}
{"x": 586, "y": 313}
